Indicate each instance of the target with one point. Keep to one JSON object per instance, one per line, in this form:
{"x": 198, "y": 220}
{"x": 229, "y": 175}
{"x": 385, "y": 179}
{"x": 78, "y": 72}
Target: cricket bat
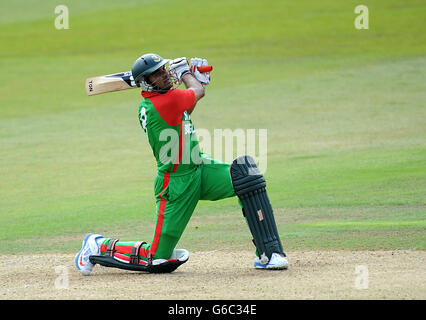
{"x": 118, "y": 81}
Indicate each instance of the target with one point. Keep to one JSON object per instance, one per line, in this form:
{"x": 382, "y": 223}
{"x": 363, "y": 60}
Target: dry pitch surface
{"x": 217, "y": 275}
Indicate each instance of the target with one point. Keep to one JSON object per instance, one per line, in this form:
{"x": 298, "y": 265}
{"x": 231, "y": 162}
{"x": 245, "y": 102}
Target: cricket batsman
{"x": 185, "y": 175}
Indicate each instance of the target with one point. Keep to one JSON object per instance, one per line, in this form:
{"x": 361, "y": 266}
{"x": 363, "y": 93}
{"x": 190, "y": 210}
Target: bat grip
{"x": 205, "y": 69}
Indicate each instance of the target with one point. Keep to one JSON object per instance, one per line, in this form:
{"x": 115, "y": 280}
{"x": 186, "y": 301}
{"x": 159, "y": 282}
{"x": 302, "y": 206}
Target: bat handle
{"x": 205, "y": 69}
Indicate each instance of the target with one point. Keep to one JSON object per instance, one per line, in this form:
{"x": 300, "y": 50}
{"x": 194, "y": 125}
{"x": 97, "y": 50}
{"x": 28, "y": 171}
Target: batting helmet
{"x": 143, "y": 67}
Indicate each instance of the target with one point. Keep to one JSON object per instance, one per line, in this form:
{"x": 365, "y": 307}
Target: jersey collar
{"x": 147, "y": 94}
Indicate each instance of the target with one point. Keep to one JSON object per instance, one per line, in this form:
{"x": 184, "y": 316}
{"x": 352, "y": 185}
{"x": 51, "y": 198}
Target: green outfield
{"x": 344, "y": 111}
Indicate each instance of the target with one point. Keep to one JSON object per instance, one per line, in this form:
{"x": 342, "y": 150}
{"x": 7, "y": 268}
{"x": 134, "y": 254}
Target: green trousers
{"x": 176, "y": 198}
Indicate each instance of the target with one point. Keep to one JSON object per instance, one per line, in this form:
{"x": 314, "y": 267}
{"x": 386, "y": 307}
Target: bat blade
{"x": 110, "y": 83}
{"x": 118, "y": 81}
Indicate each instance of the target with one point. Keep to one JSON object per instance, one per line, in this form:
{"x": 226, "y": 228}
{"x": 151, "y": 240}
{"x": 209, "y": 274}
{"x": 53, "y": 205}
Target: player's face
{"x": 161, "y": 78}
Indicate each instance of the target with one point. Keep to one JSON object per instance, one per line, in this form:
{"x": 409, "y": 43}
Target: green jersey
{"x": 169, "y": 128}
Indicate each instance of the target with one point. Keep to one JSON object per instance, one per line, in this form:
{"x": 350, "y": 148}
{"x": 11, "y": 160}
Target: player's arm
{"x": 193, "y": 84}
{"x": 181, "y": 72}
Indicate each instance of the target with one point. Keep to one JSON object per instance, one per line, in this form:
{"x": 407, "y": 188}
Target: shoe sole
{"x": 271, "y": 268}
{"x": 263, "y": 267}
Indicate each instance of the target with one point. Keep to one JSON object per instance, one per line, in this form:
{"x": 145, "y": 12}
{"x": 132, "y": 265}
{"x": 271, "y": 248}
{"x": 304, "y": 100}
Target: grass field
{"x": 344, "y": 109}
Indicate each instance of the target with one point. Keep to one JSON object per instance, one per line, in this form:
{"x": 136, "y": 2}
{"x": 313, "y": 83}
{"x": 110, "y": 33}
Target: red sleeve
{"x": 173, "y": 104}
{"x": 185, "y": 99}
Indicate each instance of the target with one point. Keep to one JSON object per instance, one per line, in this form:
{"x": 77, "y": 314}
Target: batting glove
{"x": 178, "y": 67}
{"x": 203, "y": 77}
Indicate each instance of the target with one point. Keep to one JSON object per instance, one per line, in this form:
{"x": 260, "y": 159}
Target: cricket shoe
{"x": 91, "y": 246}
{"x": 277, "y": 261}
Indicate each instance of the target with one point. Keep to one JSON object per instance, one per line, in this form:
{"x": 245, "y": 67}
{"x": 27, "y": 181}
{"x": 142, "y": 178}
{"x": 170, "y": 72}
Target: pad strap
{"x": 111, "y": 247}
{"x": 134, "y": 257}
{"x": 252, "y": 240}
